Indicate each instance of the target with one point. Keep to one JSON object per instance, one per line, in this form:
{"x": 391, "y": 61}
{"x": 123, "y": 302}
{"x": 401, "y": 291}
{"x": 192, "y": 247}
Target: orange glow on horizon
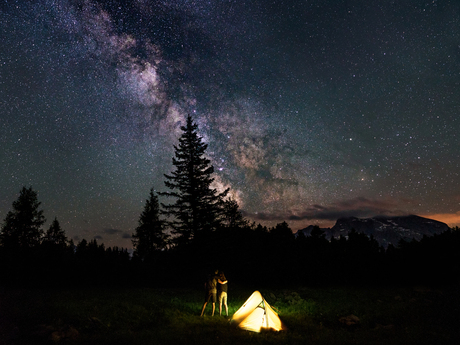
{"x": 451, "y": 219}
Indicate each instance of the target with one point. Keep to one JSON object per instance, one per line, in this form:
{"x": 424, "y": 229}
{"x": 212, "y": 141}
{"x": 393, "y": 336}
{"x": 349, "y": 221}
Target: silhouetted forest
{"x": 250, "y": 255}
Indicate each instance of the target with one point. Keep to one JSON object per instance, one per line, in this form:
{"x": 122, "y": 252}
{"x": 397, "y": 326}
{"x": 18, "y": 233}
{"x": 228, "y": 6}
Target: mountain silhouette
{"x": 386, "y": 230}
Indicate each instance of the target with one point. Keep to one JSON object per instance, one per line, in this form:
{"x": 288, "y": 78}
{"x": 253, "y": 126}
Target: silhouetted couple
{"x": 216, "y": 283}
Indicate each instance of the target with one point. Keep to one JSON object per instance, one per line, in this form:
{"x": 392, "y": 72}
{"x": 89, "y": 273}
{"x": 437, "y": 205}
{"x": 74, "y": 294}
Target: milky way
{"x": 312, "y": 110}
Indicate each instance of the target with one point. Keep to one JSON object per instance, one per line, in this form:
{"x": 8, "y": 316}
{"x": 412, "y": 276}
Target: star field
{"x": 312, "y": 110}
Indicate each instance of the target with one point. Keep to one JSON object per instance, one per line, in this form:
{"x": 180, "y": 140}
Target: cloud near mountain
{"x": 356, "y": 207}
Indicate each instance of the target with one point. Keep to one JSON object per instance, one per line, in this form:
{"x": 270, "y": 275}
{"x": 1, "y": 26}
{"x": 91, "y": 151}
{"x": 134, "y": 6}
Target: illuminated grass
{"x": 165, "y": 316}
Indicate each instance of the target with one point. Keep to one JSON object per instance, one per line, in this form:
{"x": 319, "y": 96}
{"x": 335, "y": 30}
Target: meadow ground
{"x": 382, "y": 315}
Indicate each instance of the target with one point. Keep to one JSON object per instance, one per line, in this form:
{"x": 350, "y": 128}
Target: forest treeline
{"x": 202, "y": 229}
{"x": 251, "y": 255}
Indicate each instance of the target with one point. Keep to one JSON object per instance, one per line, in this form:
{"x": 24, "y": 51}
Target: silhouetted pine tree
{"x": 149, "y": 236}
{"x": 197, "y": 209}
{"x": 314, "y": 253}
{"x": 282, "y": 235}
{"x": 56, "y": 257}
{"x": 362, "y": 257}
{"x": 81, "y": 248}
{"x": 282, "y": 249}
{"x": 55, "y": 235}
{"x": 22, "y": 226}
{"x": 232, "y": 216}
{"x": 90, "y": 263}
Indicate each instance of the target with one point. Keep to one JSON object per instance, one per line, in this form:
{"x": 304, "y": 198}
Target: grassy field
{"x": 410, "y": 315}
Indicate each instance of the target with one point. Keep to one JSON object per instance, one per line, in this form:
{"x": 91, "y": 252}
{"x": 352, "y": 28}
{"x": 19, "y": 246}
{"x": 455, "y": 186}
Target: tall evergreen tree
{"x": 232, "y": 216}
{"x": 149, "y": 235}
{"x": 22, "y": 226}
{"x": 197, "y": 209}
{"x": 55, "y": 234}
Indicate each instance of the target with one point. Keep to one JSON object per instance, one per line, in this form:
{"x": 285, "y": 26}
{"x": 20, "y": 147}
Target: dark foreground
{"x": 341, "y": 315}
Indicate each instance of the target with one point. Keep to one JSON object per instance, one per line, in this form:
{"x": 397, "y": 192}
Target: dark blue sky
{"x": 312, "y": 110}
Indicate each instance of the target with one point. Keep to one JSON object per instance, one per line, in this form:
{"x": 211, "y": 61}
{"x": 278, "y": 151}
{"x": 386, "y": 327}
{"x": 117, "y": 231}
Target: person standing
{"x": 222, "y": 287}
{"x": 210, "y": 292}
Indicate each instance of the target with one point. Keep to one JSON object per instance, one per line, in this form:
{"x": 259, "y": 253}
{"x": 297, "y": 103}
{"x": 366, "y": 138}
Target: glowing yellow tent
{"x": 256, "y": 314}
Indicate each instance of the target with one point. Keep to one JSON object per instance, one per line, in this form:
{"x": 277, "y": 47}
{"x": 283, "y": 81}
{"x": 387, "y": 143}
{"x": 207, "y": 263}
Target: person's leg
{"x": 225, "y": 303}
{"x": 207, "y": 297}
{"x": 204, "y": 307}
{"x": 220, "y": 302}
{"x": 214, "y": 300}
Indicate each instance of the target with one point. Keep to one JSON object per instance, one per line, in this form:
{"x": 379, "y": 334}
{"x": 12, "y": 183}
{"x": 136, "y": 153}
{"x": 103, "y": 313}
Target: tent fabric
{"x": 256, "y": 314}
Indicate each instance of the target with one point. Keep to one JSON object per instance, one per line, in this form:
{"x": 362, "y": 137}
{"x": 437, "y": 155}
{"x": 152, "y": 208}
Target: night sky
{"x": 312, "y": 110}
